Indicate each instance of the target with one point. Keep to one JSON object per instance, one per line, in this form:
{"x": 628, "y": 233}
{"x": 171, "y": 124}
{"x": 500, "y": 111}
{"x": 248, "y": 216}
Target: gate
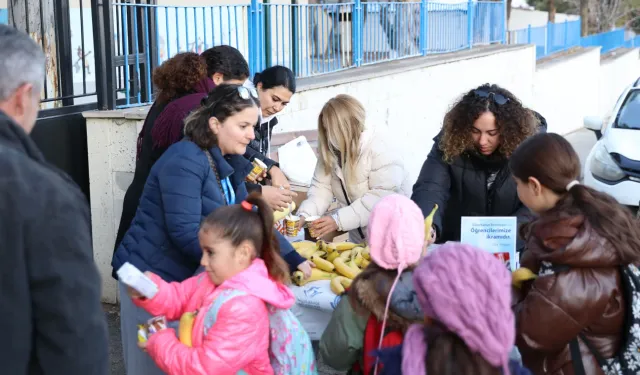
{"x": 74, "y": 35}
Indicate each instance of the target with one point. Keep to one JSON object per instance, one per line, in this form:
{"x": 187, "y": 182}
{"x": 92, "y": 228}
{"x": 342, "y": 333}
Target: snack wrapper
{"x": 152, "y": 326}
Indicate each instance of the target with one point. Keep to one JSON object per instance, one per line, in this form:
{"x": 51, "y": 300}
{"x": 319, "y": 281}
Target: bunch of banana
{"x": 338, "y": 262}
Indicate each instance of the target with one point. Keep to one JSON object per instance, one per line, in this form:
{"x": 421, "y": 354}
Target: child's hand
{"x": 134, "y": 293}
{"x": 142, "y": 345}
{"x": 306, "y": 267}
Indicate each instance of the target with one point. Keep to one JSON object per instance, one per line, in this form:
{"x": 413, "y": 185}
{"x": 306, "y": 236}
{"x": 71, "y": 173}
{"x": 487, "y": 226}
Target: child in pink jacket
{"x": 238, "y": 256}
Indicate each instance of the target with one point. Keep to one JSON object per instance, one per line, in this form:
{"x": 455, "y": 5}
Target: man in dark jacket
{"x": 51, "y": 316}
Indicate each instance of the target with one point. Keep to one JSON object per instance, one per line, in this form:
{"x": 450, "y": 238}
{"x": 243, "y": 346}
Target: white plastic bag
{"x": 298, "y": 161}
{"x": 316, "y": 295}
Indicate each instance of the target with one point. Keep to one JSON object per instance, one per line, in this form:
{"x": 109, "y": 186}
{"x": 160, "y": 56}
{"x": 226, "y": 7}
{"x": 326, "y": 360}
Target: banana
{"x": 322, "y": 264}
{"x": 319, "y": 253}
{"x": 186, "y": 327}
{"x": 331, "y": 257}
{"x": 329, "y": 247}
{"x": 321, "y": 245}
{"x": 521, "y": 275}
{"x": 428, "y": 222}
{"x": 365, "y": 263}
{"x": 346, "y": 255}
{"x": 343, "y": 269}
{"x": 339, "y": 283}
{"x": 358, "y": 259}
{"x": 279, "y": 215}
{"x": 316, "y": 274}
{"x": 352, "y": 263}
{"x": 365, "y": 253}
{"x": 343, "y": 246}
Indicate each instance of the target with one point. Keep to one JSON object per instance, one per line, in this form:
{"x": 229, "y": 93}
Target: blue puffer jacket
{"x": 180, "y": 192}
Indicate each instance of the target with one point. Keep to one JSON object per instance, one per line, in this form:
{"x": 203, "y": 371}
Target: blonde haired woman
{"x": 357, "y": 166}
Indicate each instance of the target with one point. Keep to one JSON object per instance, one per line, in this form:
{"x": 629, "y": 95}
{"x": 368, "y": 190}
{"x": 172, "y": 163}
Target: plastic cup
{"x": 258, "y": 169}
{"x": 291, "y": 225}
{"x": 308, "y": 222}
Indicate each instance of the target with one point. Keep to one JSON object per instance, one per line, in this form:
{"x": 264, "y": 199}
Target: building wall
{"x": 522, "y": 18}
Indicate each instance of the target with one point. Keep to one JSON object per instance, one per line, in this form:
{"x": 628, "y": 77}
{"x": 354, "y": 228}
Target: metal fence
{"x": 310, "y": 39}
{"x": 558, "y": 37}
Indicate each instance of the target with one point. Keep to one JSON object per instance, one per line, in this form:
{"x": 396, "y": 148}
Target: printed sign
{"x": 494, "y": 234}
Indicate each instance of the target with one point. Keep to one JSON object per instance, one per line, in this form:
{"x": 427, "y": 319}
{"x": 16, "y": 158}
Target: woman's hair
{"x": 222, "y": 102}
{"x": 276, "y": 76}
{"x": 178, "y": 75}
{"x": 552, "y": 161}
{"x": 238, "y": 224}
{"x": 514, "y": 121}
{"x": 448, "y": 354}
{"x": 340, "y": 126}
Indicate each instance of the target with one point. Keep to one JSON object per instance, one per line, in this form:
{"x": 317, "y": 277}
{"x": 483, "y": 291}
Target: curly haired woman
{"x": 466, "y": 172}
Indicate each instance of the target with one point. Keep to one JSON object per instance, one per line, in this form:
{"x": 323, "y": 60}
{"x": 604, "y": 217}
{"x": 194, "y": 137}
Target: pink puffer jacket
{"x": 238, "y": 340}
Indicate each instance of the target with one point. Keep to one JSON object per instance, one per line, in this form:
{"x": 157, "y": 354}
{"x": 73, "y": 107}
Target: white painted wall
{"x": 411, "y": 102}
{"x": 616, "y": 73}
{"x": 522, "y": 18}
{"x": 566, "y": 89}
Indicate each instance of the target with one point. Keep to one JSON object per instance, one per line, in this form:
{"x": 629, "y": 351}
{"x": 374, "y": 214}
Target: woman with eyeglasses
{"x": 194, "y": 177}
{"x": 466, "y": 172}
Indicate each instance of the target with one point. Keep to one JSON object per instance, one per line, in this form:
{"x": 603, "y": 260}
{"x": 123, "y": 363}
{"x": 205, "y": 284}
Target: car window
{"x": 629, "y": 114}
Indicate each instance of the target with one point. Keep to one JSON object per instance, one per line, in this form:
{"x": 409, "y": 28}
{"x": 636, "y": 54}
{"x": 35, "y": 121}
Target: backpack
{"x": 627, "y": 360}
{"x": 290, "y": 350}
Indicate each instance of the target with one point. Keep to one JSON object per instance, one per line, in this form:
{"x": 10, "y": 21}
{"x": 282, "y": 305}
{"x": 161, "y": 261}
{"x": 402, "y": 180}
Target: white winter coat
{"x": 380, "y": 172}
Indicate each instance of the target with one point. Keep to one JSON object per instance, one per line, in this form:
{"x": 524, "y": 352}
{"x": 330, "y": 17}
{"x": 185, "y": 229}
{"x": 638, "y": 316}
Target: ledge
{"x": 564, "y": 56}
{"x": 349, "y": 75}
{"x": 618, "y": 52}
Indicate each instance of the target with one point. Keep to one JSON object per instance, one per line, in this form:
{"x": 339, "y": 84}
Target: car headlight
{"x": 603, "y": 166}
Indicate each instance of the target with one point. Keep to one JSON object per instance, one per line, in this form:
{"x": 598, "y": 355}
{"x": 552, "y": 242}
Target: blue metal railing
{"x": 557, "y": 37}
{"x": 311, "y": 39}
{"x": 4, "y": 16}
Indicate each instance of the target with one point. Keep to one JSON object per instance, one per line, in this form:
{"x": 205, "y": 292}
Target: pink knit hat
{"x": 395, "y": 238}
{"x": 468, "y": 291}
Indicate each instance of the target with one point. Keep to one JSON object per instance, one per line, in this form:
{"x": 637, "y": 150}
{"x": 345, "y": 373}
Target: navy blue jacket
{"x": 180, "y": 192}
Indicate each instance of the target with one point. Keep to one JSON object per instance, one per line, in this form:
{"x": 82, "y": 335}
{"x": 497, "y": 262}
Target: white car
{"x": 613, "y": 165}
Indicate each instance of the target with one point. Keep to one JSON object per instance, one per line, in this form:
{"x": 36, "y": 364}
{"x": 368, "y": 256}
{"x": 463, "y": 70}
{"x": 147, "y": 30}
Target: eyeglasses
{"x": 244, "y": 92}
{"x": 499, "y": 99}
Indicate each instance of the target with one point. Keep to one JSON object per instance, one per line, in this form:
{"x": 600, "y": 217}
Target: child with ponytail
{"x": 244, "y": 269}
{"x": 573, "y": 314}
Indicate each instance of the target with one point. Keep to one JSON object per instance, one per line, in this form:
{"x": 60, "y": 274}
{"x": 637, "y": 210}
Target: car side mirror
{"x": 594, "y": 123}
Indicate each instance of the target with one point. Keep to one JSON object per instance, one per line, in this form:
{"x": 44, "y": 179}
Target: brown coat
{"x": 585, "y": 299}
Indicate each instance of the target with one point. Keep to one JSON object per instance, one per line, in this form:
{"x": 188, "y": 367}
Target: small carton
{"x": 132, "y": 277}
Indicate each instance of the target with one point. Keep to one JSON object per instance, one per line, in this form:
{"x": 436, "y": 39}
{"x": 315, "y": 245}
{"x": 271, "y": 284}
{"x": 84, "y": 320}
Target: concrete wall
{"x": 522, "y": 18}
{"x": 408, "y": 96}
{"x": 618, "y": 70}
{"x": 566, "y": 89}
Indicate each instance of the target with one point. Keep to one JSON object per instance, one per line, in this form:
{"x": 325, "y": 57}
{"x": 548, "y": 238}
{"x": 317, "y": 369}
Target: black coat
{"x": 259, "y": 148}
{"x": 51, "y": 316}
{"x": 460, "y": 189}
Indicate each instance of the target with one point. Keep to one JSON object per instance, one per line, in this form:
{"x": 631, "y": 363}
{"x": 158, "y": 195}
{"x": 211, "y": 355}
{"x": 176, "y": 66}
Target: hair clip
{"x": 248, "y": 206}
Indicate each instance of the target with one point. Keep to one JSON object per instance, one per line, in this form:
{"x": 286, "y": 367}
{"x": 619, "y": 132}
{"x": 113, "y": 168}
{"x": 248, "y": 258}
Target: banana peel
{"x": 521, "y": 275}
{"x": 428, "y": 222}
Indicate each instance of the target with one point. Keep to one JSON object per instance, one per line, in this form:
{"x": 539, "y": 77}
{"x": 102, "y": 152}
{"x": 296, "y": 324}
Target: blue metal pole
{"x": 356, "y": 33}
{"x": 424, "y": 26}
{"x": 505, "y": 22}
{"x": 529, "y": 34}
{"x": 254, "y": 27}
{"x": 470, "y": 22}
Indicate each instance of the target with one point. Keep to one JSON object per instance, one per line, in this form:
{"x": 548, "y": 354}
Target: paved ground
{"x": 582, "y": 140}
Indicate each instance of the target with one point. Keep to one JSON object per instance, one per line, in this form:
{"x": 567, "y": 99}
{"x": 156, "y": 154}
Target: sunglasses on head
{"x": 499, "y": 99}
{"x": 243, "y": 91}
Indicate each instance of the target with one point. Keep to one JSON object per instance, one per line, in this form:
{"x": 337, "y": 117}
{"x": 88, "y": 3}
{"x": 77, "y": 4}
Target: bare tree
{"x": 584, "y": 17}
{"x": 552, "y": 11}
{"x": 602, "y": 15}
